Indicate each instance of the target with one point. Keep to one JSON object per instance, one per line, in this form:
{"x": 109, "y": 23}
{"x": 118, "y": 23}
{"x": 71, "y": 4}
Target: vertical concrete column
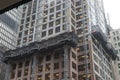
{"x": 7, "y": 72}
{"x": 66, "y": 62}
{"x": 34, "y": 65}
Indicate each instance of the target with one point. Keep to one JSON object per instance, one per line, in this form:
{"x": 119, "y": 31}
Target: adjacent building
{"x": 9, "y": 22}
{"x": 62, "y": 40}
{"x": 115, "y": 40}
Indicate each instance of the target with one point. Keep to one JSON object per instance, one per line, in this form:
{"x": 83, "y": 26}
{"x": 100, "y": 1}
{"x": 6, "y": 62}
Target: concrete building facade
{"x": 9, "y": 22}
{"x": 46, "y": 29}
{"x": 115, "y": 40}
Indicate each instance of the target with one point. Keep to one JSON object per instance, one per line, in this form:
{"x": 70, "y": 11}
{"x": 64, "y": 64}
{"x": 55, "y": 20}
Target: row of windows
{"x": 25, "y": 40}
{"x": 57, "y": 22}
{"x": 28, "y": 19}
{"x": 26, "y": 32}
{"x": 52, "y": 3}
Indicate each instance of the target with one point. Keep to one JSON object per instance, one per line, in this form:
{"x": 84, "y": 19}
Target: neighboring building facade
{"x": 9, "y": 22}
{"x": 2, "y": 65}
{"x": 43, "y": 22}
{"x": 115, "y": 40}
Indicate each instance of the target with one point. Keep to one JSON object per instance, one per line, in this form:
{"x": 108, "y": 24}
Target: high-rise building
{"x": 44, "y": 19}
{"x": 115, "y": 40}
{"x": 62, "y": 40}
{"x": 9, "y": 22}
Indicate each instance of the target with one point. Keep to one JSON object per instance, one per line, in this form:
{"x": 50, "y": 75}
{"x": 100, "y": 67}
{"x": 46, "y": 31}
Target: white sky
{"x": 112, "y": 7}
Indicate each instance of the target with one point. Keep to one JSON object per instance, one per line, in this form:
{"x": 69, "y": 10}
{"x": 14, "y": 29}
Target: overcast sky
{"x": 112, "y": 7}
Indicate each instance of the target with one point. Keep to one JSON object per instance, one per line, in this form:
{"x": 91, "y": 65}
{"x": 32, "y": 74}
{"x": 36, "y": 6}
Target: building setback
{"x": 47, "y": 49}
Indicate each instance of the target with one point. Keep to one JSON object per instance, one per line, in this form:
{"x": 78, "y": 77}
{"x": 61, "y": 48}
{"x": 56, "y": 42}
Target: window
{"x": 51, "y": 16}
{"x": 19, "y": 73}
{"x": 48, "y": 58}
{"x": 73, "y": 56}
{"x": 40, "y": 68}
{"x": 79, "y": 31}
{"x": 63, "y": 20}
{"x": 113, "y": 33}
{"x": 25, "y": 79}
{"x": 58, "y": 22}
{"x": 51, "y": 24}
{"x": 13, "y": 66}
{"x": 27, "y": 25}
{"x": 56, "y": 76}
{"x": 22, "y": 21}
{"x": 117, "y": 32}
{"x": 45, "y": 12}
{"x": 58, "y": 7}
{"x": 58, "y": 14}
{"x": 20, "y": 65}
{"x": 58, "y": 1}
{"x": 39, "y": 77}
{"x": 20, "y": 35}
{"x": 12, "y": 75}
{"x": 63, "y": 27}
{"x": 79, "y": 9}
{"x": 56, "y": 55}
{"x": 45, "y": 19}
{"x": 18, "y": 42}
{"x": 31, "y": 30}
{"x": 33, "y": 17}
{"x": 96, "y": 68}
{"x": 56, "y": 65}
{"x": 28, "y": 19}
{"x": 31, "y": 38}
{"x": 114, "y": 38}
{"x": 118, "y": 38}
{"x": 63, "y": 5}
{"x": 52, "y": 4}
{"x": 25, "y": 40}
{"x": 47, "y": 68}
{"x": 44, "y": 26}
{"x": 73, "y": 65}
{"x": 21, "y": 28}
{"x": 74, "y": 76}
{"x": 51, "y": 10}
{"x": 45, "y": 6}
{"x": 81, "y": 67}
{"x": 25, "y": 32}
{"x": 27, "y": 63}
{"x": 79, "y": 24}
{"x": 119, "y": 44}
{"x": 118, "y": 65}
{"x": 63, "y": 12}
{"x": 44, "y": 34}
{"x": 50, "y": 32}
{"x": 47, "y": 76}
{"x": 25, "y": 72}
{"x": 32, "y": 23}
